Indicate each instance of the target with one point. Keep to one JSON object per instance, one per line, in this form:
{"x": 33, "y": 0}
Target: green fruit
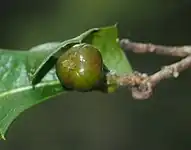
{"x": 80, "y": 68}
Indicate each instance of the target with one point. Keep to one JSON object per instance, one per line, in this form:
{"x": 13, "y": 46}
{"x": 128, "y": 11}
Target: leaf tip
{"x": 3, "y": 137}
{"x": 116, "y": 24}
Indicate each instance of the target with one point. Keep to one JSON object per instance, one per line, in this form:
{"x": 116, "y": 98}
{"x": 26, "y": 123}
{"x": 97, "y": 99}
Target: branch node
{"x": 143, "y": 91}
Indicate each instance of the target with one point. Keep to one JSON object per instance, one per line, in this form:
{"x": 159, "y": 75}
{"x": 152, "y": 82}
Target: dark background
{"x": 96, "y": 121}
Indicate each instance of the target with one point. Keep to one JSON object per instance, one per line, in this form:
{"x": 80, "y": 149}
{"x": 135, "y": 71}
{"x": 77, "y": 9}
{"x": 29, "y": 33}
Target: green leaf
{"x": 16, "y": 92}
{"x": 40, "y": 53}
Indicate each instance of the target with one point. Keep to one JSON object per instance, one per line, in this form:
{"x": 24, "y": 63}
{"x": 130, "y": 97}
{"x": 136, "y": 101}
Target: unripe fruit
{"x": 80, "y": 68}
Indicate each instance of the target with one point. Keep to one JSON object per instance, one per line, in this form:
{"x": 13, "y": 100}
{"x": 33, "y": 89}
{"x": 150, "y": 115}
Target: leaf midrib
{"x": 29, "y": 87}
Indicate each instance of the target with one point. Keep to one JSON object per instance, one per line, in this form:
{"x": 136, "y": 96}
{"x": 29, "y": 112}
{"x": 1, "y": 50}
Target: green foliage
{"x": 16, "y": 92}
{"x": 28, "y": 77}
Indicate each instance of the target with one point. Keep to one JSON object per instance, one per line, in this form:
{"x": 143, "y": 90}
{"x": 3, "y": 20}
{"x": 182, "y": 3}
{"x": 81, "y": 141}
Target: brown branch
{"x": 180, "y": 51}
{"x": 142, "y": 85}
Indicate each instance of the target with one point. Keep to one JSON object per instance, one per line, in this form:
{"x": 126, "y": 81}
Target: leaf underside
{"x": 19, "y": 69}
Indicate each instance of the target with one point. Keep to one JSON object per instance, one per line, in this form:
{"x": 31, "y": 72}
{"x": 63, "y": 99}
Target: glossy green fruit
{"x": 80, "y": 68}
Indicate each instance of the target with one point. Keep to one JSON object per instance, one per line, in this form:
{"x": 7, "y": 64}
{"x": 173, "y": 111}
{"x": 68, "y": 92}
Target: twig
{"x": 180, "y": 51}
{"x": 142, "y": 85}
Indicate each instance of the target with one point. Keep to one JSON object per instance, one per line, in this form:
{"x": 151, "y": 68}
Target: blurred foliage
{"x": 94, "y": 120}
